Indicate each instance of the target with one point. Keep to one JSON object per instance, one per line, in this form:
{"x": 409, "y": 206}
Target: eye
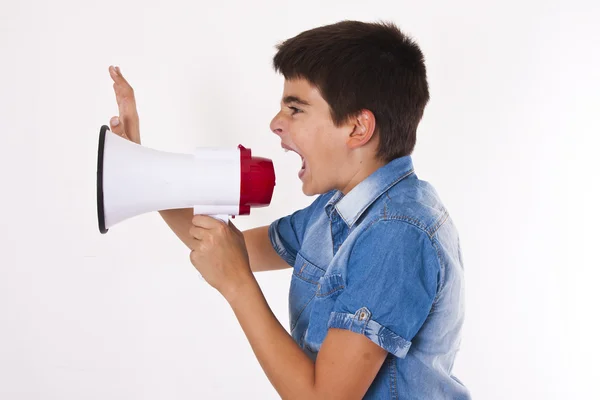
{"x": 294, "y": 110}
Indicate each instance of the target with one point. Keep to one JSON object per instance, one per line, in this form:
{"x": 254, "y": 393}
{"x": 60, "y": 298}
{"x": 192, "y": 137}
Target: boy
{"x": 376, "y": 294}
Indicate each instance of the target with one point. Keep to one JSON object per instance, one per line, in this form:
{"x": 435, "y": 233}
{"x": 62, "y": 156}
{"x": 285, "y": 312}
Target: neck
{"x": 360, "y": 171}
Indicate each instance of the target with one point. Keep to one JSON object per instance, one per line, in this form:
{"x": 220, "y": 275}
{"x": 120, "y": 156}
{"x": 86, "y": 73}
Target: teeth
{"x": 286, "y": 150}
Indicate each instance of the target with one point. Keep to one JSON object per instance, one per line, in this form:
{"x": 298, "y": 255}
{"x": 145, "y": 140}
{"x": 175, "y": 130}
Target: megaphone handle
{"x": 204, "y": 210}
{"x": 222, "y": 217}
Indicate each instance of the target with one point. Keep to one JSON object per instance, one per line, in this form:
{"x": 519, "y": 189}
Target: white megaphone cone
{"x": 221, "y": 182}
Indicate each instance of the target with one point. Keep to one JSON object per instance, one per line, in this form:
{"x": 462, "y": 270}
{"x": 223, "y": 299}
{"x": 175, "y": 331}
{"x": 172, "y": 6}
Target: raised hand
{"x": 127, "y": 124}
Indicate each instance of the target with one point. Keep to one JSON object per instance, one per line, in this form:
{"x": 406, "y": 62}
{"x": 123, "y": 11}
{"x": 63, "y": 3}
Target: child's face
{"x": 309, "y": 131}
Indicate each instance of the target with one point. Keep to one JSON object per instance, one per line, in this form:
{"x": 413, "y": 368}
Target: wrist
{"x": 241, "y": 291}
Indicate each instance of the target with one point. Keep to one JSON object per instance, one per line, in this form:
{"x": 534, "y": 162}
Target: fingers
{"x": 129, "y": 126}
{"x": 118, "y": 78}
{"x": 196, "y": 232}
{"x": 123, "y": 92}
{"x": 207, "y": 222}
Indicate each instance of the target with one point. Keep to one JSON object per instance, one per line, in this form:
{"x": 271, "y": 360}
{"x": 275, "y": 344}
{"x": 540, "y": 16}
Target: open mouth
{"x": 303, "y": 167}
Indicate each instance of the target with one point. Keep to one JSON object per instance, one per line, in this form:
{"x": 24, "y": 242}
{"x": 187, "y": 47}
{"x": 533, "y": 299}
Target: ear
{"x": 363, "y": 128}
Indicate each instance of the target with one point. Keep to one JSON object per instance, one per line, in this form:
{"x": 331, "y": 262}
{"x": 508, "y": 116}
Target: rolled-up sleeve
{"x": 391, "y": 283}
{"x": 287, "y": 233}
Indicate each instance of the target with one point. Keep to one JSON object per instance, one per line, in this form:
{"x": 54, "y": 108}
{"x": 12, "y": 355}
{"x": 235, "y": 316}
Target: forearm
{"x": 180, "y": 222}
{"x": 291, "y": 372}
{"x": 263, "y": 256}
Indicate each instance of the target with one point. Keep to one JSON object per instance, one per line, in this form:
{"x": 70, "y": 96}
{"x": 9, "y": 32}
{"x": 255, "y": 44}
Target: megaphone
{"x": 132, "y": 179}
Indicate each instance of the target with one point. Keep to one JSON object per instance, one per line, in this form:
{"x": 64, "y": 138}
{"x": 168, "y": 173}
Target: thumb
{"x": 117, "y": 127}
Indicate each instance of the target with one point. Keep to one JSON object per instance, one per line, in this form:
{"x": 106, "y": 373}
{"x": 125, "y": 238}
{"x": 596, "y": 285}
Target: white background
{"x": 509, "y": 141}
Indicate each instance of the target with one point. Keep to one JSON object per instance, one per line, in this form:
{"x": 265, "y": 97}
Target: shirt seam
{"x": 393, "y": 380}
{"x": 431, "y": 231}
{"x": 301, "y": 311}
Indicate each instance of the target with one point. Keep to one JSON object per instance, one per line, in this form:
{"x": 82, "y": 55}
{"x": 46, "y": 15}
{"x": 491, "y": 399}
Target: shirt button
{"x": 362, "y": 316}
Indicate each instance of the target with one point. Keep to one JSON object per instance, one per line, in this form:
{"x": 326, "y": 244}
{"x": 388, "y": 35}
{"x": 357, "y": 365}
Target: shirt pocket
{"x": 303, "y": 287}
{"x": 328, "y": 290}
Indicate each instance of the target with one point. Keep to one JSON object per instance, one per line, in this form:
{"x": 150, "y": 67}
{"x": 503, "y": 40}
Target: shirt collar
{"x": 351, "y": 206}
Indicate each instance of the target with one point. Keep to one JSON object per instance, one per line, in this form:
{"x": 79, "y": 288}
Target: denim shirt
{"x": 383, "y": 261}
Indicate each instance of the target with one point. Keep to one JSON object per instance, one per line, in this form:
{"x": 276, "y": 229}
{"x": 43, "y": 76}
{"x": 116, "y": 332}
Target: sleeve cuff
{"x": 279, "y": 245}
{"x": 361, "y": 322}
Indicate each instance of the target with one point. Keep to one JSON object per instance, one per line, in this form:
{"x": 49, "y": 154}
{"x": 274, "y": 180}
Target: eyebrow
{"x": 294, "y": 99}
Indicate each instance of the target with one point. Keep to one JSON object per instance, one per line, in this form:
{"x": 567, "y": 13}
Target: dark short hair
{"x": 359, "y": 65}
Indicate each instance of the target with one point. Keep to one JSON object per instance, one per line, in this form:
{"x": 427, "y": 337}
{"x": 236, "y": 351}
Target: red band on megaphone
{"x": 257, "y": 181}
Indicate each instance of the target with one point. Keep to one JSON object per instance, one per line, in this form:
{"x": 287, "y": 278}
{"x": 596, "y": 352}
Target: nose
{"x": 277, "y": 124}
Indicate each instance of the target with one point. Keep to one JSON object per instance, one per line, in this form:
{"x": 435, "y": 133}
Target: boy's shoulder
{"x": 416, "y": 202}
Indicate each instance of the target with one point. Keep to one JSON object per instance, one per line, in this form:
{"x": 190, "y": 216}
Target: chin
{"x": 307, "y": 190}
{"x": 310, "y": 190}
